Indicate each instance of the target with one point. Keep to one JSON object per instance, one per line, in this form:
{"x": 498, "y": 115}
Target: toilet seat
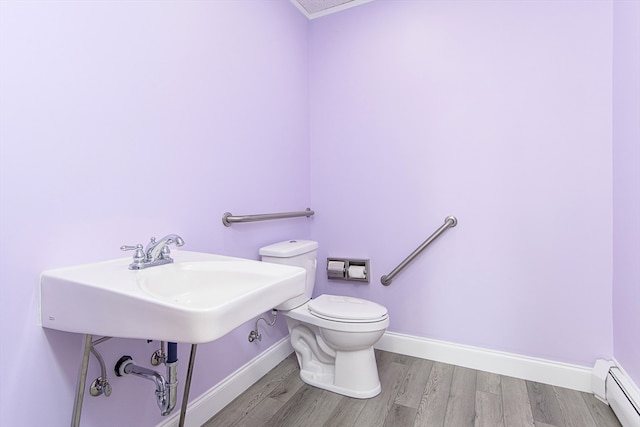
{"x": 346, "y": 309}
{"x": 303, "y": 314}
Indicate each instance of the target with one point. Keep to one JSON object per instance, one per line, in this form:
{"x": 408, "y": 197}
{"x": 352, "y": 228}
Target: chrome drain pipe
{"x": 172, "y": 388}
{"x": 165, "y": 389}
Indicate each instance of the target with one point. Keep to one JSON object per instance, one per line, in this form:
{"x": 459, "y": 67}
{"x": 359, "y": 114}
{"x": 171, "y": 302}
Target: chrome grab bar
{"x": 228, "y": 218}
{"x": 449, "y": 221}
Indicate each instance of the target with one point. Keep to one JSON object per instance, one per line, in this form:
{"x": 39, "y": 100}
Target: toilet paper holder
{"x": 349, "y": 269}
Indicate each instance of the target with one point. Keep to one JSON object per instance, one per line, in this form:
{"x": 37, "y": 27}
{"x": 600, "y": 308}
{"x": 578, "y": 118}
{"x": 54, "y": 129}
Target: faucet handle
{"x": 138, "y": 256}
{"x": 165, "y": 252}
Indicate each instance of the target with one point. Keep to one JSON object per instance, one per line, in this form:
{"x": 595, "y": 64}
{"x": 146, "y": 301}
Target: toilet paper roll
{"x": 357, "y": 272}
{"x": 335, "y": 269}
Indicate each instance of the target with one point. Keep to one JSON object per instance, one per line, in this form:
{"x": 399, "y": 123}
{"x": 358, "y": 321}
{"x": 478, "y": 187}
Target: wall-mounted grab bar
{"x": 449, "y": 221}
{"x": 228, "y": 218}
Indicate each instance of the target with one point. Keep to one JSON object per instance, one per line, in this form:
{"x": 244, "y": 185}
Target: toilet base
{"x": 325, "y": 382}
{"x": 350, "y": 373}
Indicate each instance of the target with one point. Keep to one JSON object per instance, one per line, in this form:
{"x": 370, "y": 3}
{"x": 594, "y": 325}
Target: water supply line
{"x": 159, "y": 356}
{"x": 255, "y": 334}
{"x": 98, "y": 387}
{"x": 101, "y": 384}
{"x": 166, "y": 389}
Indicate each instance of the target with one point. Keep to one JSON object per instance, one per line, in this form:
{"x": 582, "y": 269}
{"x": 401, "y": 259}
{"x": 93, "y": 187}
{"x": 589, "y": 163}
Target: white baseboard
{"x": 513, "y": 365}
{"x": 216, "y": 398}
{"x": 529, "y": 368}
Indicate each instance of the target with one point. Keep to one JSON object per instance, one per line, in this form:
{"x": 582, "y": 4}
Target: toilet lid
{"x": 346, "y": 308}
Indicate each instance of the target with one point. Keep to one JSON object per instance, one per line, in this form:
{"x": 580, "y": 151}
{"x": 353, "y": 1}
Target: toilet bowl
{"x": 332, "y": 335}
{"x": 337, "y": 354}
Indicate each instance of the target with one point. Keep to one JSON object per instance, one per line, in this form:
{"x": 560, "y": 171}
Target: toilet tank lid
{"x": 289, "y": 248}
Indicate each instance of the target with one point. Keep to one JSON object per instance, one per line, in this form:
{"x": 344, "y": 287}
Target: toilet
{"x": 332, "y": 335}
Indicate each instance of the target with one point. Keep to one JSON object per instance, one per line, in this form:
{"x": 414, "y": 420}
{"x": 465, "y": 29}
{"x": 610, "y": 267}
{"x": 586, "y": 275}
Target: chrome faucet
{"x": 156, "y": 252}
{"x": 160, "y": 250}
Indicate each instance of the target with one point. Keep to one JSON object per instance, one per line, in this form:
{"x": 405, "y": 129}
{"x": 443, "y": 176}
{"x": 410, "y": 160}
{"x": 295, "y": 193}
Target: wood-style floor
{"x": 415, "y": 392}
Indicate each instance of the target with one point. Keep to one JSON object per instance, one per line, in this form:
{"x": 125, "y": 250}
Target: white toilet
{"x": 333, "y": 336}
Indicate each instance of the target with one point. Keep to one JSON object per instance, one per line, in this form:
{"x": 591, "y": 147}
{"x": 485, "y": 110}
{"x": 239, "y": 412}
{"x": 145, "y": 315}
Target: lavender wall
{"x": 123, "y": 120}
{"x": 498, "y": 113}
{"x": 626, "y": 186}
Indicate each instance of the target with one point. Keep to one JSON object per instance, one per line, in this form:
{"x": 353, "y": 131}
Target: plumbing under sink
{"x": 196, "y": 299}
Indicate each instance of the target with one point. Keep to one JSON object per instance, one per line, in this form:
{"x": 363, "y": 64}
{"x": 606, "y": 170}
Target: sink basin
{"x": 198, "y": 298}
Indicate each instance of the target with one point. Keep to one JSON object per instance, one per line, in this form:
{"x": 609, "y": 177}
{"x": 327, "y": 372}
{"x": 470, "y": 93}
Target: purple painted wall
{"x": 125, "y": 120}
{"x": 626, "y": 186}
{"x": 122, "y": 120}
{"x": 498, "y": 113}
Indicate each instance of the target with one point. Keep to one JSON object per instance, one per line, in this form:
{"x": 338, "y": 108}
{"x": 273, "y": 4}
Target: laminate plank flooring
{"x": 415, "y": 392}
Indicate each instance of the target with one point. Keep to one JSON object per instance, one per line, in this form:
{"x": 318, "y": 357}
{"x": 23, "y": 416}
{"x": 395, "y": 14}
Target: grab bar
{"x": 228, "y": 218}
{"x": 449, "y": 221}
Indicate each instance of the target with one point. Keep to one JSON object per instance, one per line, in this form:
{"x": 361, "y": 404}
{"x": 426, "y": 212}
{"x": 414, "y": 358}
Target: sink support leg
{"x": 187, "y": 385}
{"x": 82, "y": 380}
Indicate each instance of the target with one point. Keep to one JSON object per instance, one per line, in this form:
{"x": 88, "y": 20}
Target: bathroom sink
{"x": 198, "y": 298}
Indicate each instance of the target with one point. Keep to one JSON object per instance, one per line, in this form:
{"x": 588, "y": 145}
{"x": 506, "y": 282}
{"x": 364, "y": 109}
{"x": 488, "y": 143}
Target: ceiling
{"x": 317, "y": 8}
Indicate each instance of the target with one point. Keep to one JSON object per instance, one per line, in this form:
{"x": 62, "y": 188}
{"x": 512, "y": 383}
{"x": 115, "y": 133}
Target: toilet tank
{"x": 299, "y": 253}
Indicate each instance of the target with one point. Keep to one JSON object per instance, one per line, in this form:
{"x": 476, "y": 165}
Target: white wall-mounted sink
{"x": 198, "y": 298}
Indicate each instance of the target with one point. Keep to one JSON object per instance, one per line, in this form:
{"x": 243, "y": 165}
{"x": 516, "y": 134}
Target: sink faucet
{"x": 156, "y": 252}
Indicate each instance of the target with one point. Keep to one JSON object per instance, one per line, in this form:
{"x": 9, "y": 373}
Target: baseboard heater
{"x": 612, "y": 386}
